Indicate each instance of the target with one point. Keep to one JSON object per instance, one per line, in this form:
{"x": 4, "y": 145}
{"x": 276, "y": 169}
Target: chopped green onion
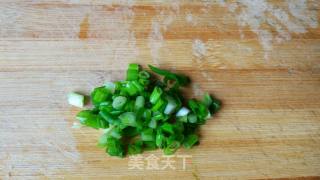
{"x": 133, "y": 72}
{"x": 155, "y": 95}
{"x": 153, "y": 123}
{"x": 216, "y": 105}
{"x": 119, "y": 102}
{"x": 147, "y": 115}
{"x": 159, "y": 116}
{"x": 88, "y": 118}
{"x": 166, "y": 127}
{"x": 135, "y": 148}
{"x": 183, "y": 118}
{"x": 144, "y": 75}
{"x": 158, "y": 105}
{"x": 180, "y": 79}
{"x": 103, "y": 140}
{"x": 134, "y": 66}
{"x": 128, "y": 119}
{"x": 139, "y": 102}
{"x": 171, "y": 105}
{"x": 147, "y": 135}
{"x": 115, "y": 133}
{"x": 183, "y": 112}
{"x": 76, "y": 99}
{"x": 190, "y": 140}
{"x": 192, "y": 118}
{"x": 207, "y": 100}
{"x": 100, "y": 95}
{"x": 115, "y": 147}
{"x": 149, "y": 145}
{"x": 110, "y": 86}
{"x": 144, "y": 113}
{"x": 160, "y": 140}
{"x": 138, "y": 86}
{"x": 106, "y": 116}
{"x": 102, "y": 122}
{"x": 131, "y": 89}
{"x": 172, "y": 146}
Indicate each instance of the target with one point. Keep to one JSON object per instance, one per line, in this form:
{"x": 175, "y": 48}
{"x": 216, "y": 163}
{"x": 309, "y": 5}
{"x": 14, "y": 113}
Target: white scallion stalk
{"x": 171, "y": 106}
{"x": 76, "y": 99}
{"x": 182, "y": 112}
{"x": 208, "y": 115}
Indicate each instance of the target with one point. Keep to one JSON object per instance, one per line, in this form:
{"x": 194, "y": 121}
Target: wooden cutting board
{"x": 261, "y": 58}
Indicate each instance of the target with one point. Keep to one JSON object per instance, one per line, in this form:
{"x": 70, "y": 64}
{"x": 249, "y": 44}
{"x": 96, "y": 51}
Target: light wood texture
{"x": 269, "y": 126}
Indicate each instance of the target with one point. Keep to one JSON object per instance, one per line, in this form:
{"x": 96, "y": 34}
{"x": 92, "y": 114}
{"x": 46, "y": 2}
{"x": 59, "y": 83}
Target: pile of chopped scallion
{"x": 145, "y": 113}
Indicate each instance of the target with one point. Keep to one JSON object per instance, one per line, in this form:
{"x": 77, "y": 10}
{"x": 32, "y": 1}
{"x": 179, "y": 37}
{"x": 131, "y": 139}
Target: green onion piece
{"x": 147, "y": 135}
{"x": 183, "y": 118}
{"x": 166, "y": 127}
{"x": 181, "y": 79}
{"x": 216, "y": 105}
{"x": 160, "y": 140}
{"x": 144, "y": 82}
{"x": 149, "y": 145}
{"x": 134, "y": 66}
{"x": 108, "y": 117}
{"x": 115, "y": 147}
{"x": 76, "y": 99}
{"x": 133, "y": 72}
{"x": 158, "y": 105}
{"x": 88, "y": 118}
{"x": 105, "y": 107}
{"x": 102, "y": 122}
{"x": 179, "y": 137}
{"x": 159, "y": 116}
{"x": 131, "y": 89}
{"x": 99, "y": 95}
{"x": 144, "y": 75}
{"x": 207, "y": 99}
{"x": 135, "y": 148}
{"x": 208, "y": 116}
{"x": 193, "y": 105}
{"x": 171, "y": 106}
{"x": 116, "y": 133}
{"x": 190, "y": 140}
{"x": 130, "y": 131}
{"x": 155, "y": 95}
{"x": 202, "y": 111}
{"x": 116, "y": 112}
{"x": 103, "y": 140}
{"x": 138, "y": 86}
{"x": 105, "y": 104}
{"x": 153, "y": 123}
{"x": 179, "y": 127}
{"x": 139, "y": 102}
{"x": 132, "y": 75}
{"x": 110, "y": 86}
{"x": 119, "y": 102}
{"x": 130, "y": 106}
{"x": 192, "y": 118}
{"x": 183, "y": 112}
{"x": 172, "y": 146}
{"x": 128, "y": 119}
{"x": 147, "y": 115}
{"x": 139, "y": 119}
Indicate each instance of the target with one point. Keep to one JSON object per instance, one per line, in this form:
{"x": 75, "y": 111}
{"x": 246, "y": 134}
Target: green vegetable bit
{"x": 143, "y": 113}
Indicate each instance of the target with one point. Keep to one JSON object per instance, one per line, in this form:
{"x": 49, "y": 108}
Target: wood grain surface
{"x": 261, "y": 58}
